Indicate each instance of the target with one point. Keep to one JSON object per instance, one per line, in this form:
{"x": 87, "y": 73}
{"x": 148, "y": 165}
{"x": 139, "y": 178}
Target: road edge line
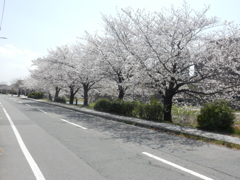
{"x": 37, "y": 172}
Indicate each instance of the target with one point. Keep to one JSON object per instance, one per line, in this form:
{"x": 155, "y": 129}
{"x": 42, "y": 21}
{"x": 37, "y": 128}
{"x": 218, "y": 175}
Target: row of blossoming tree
{"x": 177, "y": 52}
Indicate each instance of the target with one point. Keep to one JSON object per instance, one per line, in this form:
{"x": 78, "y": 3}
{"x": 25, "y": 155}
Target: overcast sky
{"x": 34, "y": 26}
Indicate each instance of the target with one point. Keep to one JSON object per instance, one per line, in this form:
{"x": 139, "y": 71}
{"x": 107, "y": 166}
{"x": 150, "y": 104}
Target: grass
{"x": 185, "y": 115}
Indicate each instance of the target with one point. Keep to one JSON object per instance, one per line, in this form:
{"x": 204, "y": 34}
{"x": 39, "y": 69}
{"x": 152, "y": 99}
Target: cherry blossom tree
{"x": 176, "y": 49}
{"x": 49, "y": 75}
{"x": 87, "y": 66}
{"x": 62, "y": 57}
{"x": 117, "y": 64}
{"x": 79, "y": 68}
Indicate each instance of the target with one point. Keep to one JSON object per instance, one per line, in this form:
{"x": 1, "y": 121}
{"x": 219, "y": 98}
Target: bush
{"x": 152, "y": 111}
{"x": 35, "y": 95}
{"x": 60, "y": 100}
{"x": 103, "y": 104}
{"x": 115, "y": 106}
{"x": 217, "y": 116}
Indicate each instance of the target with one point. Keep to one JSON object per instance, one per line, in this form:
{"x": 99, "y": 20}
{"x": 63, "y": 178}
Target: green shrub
{"x": 60, "y": 100}
{"x": 152, "y": 111}
{"x": 116, "y": 107}
{"x": 36, "y": 95}
{"x": 103, "y": 104}
{"x": 128, "y": 108}
{"x": 217, "y": 116}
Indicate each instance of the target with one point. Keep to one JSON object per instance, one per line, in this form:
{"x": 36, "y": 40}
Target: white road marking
{"x": 177, "y": 166}
{"x": 28, "y": 105}
{"x": 42, "y": 111}
{"x": 37, "y": 172}
{"x": 20, "y": 101}
{"x": 73, "y": 124}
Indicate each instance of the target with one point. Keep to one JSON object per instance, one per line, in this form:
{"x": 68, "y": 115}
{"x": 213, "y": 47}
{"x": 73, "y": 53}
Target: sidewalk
{"x": 149, "y": 124}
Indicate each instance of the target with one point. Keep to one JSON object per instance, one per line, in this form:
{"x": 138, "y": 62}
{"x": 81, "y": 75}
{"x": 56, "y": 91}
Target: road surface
{"x": 41, "y": 141}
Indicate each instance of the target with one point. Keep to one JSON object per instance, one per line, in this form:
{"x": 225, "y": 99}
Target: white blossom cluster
{"x": 177, "y": 52}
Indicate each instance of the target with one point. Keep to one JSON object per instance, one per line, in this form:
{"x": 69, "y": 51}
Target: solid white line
{"x": 73, "y": 124}
{"x": 177, "y": 166}
{"x": 37, "y": 172}
{"x": 42, "y": 111}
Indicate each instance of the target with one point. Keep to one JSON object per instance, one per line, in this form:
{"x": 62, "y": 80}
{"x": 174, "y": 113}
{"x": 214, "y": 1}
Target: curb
{"x": 166, "y": 127}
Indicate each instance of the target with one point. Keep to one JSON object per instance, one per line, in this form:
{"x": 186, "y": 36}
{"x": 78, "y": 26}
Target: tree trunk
{"x": 19, "y": 92}
{"x": 50, "y": 97}
{"x": 121, "y": 92}
{"x": 57, "y": 90}
{"x": 76, "y": 101}
{"x": 71, "y": 96}
{"x": 85, "y": 96}
{"x": 167, "y": 101}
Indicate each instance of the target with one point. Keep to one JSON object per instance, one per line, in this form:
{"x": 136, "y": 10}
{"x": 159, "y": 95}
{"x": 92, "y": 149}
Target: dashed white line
{"x": 177, "y": 166}
{"x": 20, "y": 101}
{"x": 37, "y": 172}
{"x": 28, "y": 105}
{"x": 42, "y": 111}
{"x": 73, "y": 124}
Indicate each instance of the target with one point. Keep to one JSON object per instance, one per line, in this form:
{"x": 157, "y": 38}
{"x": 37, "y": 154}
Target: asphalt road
{"x": 41, "y": 141}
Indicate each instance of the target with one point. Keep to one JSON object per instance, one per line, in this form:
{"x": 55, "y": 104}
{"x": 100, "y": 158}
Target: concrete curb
{"x": 149, "y": 124}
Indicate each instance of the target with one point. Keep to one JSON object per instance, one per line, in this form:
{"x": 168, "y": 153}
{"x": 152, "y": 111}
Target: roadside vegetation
{"x": 216, "y": 117}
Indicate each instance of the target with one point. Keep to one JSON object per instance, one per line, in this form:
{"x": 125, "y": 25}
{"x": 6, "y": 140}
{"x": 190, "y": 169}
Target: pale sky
{"x": 33, "y": 26}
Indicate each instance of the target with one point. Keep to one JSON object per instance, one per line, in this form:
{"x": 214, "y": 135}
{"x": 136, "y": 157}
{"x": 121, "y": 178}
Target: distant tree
{"x": 4, "y": 88}
{"x": 79, "y": 68}
{"x": 41, "y": 78}
{"x": 17, "y": 85}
